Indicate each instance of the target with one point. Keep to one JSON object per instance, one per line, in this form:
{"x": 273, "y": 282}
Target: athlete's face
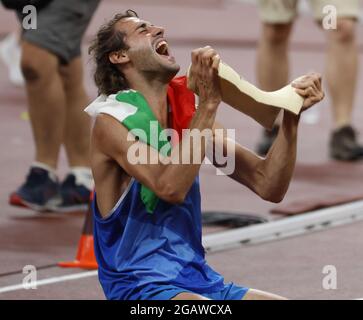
{"x": 148, "y": 51}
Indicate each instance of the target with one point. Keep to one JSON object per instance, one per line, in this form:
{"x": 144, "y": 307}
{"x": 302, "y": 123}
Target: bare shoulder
{"x": 105, "y": 126}
{"x": 109, "y": 135}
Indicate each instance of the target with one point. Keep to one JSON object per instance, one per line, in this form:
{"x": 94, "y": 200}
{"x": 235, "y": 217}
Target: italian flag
{"x": 131, "y": 109}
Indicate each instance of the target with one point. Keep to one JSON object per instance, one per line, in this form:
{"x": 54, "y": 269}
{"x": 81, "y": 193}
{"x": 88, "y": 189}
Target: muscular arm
{"x": 270, "y": 177}
{"x": 168, "y": 181}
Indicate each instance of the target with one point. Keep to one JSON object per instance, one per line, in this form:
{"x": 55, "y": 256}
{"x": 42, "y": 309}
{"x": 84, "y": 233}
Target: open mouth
{"x": 162, "y": 48}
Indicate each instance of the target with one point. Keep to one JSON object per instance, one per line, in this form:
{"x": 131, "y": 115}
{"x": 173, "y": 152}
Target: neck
{"x": 155, "y": 92}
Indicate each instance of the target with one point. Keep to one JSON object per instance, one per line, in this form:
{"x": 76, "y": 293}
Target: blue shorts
{"x": 229, "y": 292}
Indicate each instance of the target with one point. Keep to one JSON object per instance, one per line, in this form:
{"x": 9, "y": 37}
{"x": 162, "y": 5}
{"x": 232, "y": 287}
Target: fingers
{"x": 215, "y": 63}
{"x": 310, "y": 88}
{"x": 204, "y": 56}
{"x": 305, "y": 83}
{"x": 205, "y": 62}
{"x": 307, "y": 91}
{"x": 308, "y": 85}
{"x": 302, "y": 92}
{"x": 207, "y": 56}
{"x": 313, "y": 80}
{"x": 317, "y": 78}
{"x": 204, "y": 73}
{"x": 195, "y": 56}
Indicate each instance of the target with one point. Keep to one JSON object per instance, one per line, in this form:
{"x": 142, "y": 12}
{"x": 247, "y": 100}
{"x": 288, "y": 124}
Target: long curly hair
{"x": 108, "y": 78}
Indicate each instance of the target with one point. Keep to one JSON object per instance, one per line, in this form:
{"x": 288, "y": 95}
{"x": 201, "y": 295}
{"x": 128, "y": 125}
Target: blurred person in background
{"x": 52, "y": 68}
{"x": 278, "y": 17}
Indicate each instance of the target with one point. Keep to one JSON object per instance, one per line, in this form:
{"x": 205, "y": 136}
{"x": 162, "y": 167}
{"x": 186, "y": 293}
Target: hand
{"x": 309, "y": 87}
{"x": 203, "y": 76}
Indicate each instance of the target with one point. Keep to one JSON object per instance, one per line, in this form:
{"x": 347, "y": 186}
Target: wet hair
{"x": 108, "y": 78}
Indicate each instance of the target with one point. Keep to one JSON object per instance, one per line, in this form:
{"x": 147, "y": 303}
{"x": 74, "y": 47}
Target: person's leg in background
{"x": 272, "y": 54}
{"x": 342, "y": 69}
{"x": 76, "y": 187}
{"x": 46, "y": 100}
{"x": 61, "y": 26}
{"x": 341, "y": 74}
{"x": 77, "y": 124}
{"x": 46, "y": 105}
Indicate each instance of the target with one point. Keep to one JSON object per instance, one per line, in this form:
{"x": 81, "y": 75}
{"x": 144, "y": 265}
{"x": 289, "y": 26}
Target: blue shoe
{"x": 39, "y": 192}
{"x": 74, "y": 197}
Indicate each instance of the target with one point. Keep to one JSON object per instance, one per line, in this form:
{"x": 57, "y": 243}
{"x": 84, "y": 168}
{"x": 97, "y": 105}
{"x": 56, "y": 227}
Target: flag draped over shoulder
{"x": 131, "y": 109}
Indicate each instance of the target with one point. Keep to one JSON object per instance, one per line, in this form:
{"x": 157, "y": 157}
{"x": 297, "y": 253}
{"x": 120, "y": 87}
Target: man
{"x": 153, "y": 250}
{"x": 341, "y": 68}
{"x": 52, "y": 68}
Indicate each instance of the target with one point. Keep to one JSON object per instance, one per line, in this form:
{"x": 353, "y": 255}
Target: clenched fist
{"x": 203, "y": 75}
{"x": 309, "y": 87}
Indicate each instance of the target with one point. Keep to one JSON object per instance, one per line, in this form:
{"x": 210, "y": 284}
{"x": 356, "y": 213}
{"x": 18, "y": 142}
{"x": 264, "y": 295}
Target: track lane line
{"x": 44, "y": 282}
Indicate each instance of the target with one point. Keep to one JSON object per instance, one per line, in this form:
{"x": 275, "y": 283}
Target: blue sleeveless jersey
{"x": 136, "y": 250}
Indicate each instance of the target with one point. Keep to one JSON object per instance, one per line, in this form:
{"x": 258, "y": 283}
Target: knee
{"x": 37, "y": 67}
{"x": 30, "y": 69}
{"x": 345, "y": 32}
{"x": 276, "y": 34}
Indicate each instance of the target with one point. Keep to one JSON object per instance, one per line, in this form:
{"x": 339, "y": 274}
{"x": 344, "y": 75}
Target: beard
{"x": 153, "y": 65}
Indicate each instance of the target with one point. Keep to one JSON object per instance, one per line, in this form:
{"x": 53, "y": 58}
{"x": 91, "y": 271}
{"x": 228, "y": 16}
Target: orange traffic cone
{"x": 85, "y": 258}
